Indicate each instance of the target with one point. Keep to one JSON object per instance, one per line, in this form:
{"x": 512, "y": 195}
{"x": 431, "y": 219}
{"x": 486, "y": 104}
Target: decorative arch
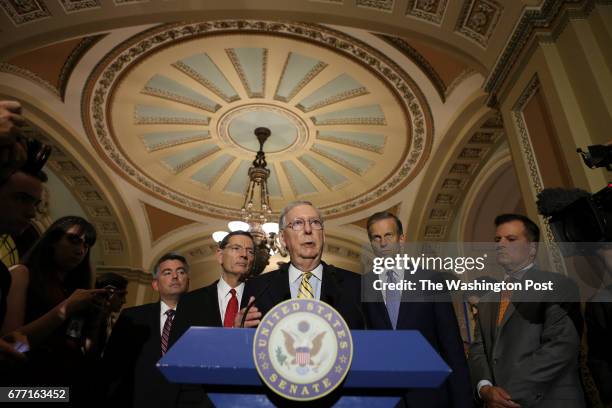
{"x": 424, "y": 20}
{"x": 94, "y": 189}
{"x": 479, "y": 132}
{"x": 495, "y": 191}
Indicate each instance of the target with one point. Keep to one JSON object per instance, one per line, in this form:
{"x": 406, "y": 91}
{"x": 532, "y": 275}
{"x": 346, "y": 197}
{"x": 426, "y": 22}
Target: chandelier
{"x": 256, "y": 209}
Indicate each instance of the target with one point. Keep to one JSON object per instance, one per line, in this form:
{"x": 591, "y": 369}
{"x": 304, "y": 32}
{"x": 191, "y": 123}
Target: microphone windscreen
{"x": 552, "y": 200}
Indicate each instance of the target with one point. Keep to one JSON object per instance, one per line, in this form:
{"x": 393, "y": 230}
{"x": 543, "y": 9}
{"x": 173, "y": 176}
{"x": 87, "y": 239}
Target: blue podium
{"x": 384, "y": 362}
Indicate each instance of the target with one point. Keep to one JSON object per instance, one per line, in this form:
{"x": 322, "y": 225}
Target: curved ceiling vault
{"x": 173, "y": 111}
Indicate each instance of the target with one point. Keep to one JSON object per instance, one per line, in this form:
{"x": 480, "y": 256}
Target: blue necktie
{"x": 393, "y": 299}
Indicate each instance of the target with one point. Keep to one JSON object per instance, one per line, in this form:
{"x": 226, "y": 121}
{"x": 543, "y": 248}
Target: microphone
{"x": 251, "y": 304}
{"x": 552, "y": 200}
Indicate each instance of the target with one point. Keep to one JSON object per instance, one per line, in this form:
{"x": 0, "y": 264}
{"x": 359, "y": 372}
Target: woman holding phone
{"x": 56, "y": 269}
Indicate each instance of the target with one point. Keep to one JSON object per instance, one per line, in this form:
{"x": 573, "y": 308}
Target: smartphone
{"x": 21, "y": 347}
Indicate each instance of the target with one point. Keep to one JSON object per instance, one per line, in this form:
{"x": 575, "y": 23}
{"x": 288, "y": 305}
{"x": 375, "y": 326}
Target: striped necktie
{"x": 305, "y": 291}
{"x": 166, "y": 331}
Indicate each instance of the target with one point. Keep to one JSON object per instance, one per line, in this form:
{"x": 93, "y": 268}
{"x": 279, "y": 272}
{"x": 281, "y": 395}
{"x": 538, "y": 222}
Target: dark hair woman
{"x": 56, "y": 269}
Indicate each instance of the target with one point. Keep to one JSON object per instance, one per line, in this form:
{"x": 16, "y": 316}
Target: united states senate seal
{"x": 302, "y": 349}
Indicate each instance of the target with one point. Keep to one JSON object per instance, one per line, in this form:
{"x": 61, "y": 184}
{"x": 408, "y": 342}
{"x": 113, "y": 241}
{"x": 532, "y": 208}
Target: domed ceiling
{"x": 173, "y": 111}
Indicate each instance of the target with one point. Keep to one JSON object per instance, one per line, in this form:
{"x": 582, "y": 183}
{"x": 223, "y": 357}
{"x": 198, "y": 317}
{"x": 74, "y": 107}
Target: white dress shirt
{"x": 295, "y": 279}
{"x": 224, "y": 295}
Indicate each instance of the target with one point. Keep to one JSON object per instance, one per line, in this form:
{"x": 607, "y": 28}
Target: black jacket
{"x": 340, "y": 289}
{"x": 133, "y": 349}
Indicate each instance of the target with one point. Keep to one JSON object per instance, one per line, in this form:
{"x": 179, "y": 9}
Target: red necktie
{"x": 231, "y": 311}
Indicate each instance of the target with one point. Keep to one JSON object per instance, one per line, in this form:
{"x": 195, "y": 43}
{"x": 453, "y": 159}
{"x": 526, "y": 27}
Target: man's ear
{"x": 155, "y": 285}
{"x": 219, "y": 256}
{"x": 281, "y": 239}
{"x": 402, "y": 238}
{"x": 533, "y": 249}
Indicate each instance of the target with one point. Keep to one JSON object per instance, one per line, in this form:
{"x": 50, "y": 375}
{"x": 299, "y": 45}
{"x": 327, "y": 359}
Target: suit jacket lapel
{"x": 488, "y": 317}
{"x": 279, "y": 288}
{"x": 515, "y": 301}
{"x": 374, "y": 302}
{"x": 330, "y": 285}
{"x": 155, "y": 323}
{"x": 409, "y": 298}
{"x": 213, "y": 304}
{"x": 509, "y": 311}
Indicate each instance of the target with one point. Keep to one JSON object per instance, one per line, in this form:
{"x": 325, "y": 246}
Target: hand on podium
{"x": 253, "y": 317}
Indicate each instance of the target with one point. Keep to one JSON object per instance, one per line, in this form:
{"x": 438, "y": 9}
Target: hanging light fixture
{"x": 256, "y": 209}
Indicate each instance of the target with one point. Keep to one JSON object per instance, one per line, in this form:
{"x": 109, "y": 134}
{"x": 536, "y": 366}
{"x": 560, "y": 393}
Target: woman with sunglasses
{"x": 56, "y": 269}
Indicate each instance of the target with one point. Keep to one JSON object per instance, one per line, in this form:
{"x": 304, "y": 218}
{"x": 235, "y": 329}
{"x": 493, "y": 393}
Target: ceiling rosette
{"x": 173, "y": 109}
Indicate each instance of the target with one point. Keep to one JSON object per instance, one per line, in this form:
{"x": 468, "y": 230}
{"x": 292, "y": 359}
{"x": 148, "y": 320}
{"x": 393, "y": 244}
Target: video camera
{"x": 576, "y": 215}
{"x": 38, "y": 154}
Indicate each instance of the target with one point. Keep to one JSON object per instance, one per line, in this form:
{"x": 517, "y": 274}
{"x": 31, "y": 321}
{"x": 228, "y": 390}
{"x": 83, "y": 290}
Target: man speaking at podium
{"x": 305, "y": 276}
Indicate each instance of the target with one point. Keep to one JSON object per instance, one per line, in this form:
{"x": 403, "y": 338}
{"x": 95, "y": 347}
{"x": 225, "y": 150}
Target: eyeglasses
{"x": 239, "y": 248}
{"x": 298, "y": 224}
{"x": 77, "y": 240}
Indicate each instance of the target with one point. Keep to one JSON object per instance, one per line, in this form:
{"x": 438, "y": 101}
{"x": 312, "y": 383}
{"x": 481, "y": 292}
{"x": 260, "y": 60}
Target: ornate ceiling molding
{"x": 73, "y": 59}
{"x": 429, "y": 10}
{"x": 478, "y": 20}
{"x": 547, "y": 19}
{"x": 30, "y": 76}
{"x": 25, "y": 11}
{"x": 419, "y": 60}
{"x": 91, "y": 199}
{"x": 68, "y": 66}
{"x": 453, "y": 186}
{"x": 109, "y": 73}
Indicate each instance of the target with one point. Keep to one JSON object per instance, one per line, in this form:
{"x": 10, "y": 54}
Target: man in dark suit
{"x": 141, "y": 337}
{"x": 306, "y": 276}
{"x": 435, "y": 320}
{"x": 216, "y": 305}
{"x": 526, "y": 343}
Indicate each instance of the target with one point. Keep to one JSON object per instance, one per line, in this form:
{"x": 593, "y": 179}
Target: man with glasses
{"x": 305, "y": 276}
{"x": 20, "y": 195}
{"x": 216, "y": 305}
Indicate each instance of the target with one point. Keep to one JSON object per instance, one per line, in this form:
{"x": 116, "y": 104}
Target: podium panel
{"x": 382, "y": 360}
